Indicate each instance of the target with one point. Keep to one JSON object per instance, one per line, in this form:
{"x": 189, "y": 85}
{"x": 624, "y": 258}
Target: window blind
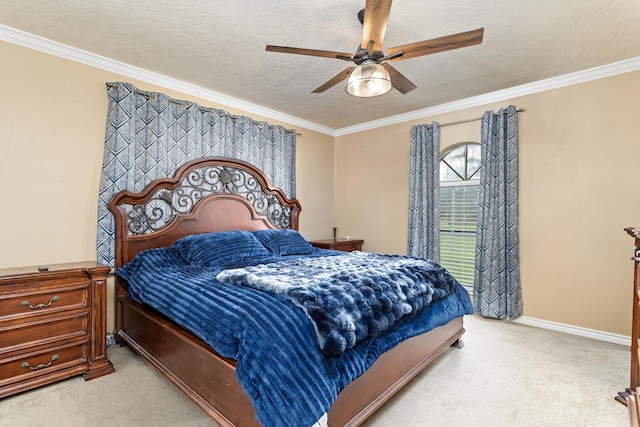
{"x": 458, "y": 223}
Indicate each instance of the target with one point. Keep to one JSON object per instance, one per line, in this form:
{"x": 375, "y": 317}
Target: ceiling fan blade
{"x": 398, "y": 80}
{"x": 441, "y": 44}
{"x": 334, "y": 81}
{"x": 310, "y": 52}
{"x": 376, "y": 17}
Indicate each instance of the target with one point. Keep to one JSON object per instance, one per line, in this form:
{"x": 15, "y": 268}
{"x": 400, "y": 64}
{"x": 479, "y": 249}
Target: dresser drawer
{"x": 43, "y": 362}
{"x": 40, "y": 301}
{"x": 16, "y": 335}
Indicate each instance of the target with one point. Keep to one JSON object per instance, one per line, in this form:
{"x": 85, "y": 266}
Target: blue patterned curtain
{"x": 149, "y": 135}
{"x": 424, "y": 192}
{"x": 496, "y": 289}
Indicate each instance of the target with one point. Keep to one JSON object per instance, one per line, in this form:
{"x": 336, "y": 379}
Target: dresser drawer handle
{"x": 40, "y": 366}
{"x": 41, "y": 305}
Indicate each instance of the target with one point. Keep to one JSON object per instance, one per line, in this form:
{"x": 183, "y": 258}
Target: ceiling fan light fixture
{"x": 368, "y": 79}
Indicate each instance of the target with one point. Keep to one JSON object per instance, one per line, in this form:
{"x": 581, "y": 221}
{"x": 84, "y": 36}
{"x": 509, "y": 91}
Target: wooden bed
{"x": 220, "y": 194}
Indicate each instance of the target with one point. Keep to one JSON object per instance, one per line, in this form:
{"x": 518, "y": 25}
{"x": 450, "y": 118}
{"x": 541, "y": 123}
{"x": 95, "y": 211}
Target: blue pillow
{"x": 220, "y": 249}
{"x": 284, "y": 242}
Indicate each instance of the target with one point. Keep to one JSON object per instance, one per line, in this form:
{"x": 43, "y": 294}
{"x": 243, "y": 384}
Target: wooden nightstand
{"x": 346, "y": 245}
{"x": 52, "y": 324}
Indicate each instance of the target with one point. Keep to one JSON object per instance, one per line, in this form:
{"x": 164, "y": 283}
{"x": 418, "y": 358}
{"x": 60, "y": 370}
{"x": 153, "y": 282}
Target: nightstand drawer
{"x": 43, "y": 301}
{"x": 346, "y": 245}
{"x": 45, "y": 361}
{"x": 16, "y": 335}
{"x": 27, "y": 285}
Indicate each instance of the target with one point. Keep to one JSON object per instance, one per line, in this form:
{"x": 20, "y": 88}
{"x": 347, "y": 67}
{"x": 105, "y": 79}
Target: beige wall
{"x": 578, "y": 153}
{"x": 579, "y": 148}
{"x": 52, "y": 123}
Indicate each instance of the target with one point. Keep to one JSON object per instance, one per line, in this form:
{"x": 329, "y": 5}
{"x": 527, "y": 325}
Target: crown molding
{"x": 609, "y": 70}
{"x": 41, "y": 44}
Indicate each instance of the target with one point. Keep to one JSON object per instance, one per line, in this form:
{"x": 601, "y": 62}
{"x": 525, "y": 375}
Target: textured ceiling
{"x": 220, "y": 46}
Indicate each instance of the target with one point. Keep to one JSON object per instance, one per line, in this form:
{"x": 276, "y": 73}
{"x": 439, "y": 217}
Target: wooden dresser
{"x": 346, "y": 245}
{"x": 628, "y": 396}
{"x": 52, "y": 324}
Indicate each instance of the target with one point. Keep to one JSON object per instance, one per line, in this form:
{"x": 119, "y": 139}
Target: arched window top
{"x": 460, "y": 163}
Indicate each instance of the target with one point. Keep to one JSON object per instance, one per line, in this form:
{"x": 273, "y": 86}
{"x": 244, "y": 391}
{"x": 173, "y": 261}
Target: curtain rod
{"x": 458, "y": 122}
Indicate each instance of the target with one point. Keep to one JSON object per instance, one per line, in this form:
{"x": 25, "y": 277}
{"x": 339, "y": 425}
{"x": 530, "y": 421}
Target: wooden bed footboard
{"x": 210, "y": 380}
{"x": 393, "y": 369}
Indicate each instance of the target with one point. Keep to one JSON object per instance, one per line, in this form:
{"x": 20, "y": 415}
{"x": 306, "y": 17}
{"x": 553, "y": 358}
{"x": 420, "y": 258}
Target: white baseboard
{"x": 575, "y": 330}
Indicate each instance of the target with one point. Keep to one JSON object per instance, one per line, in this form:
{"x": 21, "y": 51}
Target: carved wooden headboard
{"x": 204, "y": 195}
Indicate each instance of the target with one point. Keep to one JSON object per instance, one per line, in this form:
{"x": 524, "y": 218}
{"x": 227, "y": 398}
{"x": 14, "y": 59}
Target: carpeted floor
{"x": 506, "y": 375}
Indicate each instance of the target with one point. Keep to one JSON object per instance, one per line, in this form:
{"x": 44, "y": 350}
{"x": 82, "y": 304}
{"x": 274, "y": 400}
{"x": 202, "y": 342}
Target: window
{"x": 459, "y": 185}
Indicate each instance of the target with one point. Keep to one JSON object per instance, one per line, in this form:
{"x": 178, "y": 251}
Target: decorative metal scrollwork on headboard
{"x": 202, "y": 182}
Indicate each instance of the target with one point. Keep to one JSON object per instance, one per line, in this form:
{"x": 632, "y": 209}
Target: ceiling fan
{"x": 373, "y": 75}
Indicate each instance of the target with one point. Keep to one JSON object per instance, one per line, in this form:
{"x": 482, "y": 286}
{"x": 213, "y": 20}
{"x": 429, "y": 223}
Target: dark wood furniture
{"x": 634, "y": 383}
{"x": 220, "y": 200}
{"x": 632, "y": 400}
{"x": 346, "y": 245}
{"x": 52, "y": 324}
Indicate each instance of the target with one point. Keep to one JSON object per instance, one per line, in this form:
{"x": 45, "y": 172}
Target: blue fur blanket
{"x": 350, "y": 297}
{"x": 289, "y": 381}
